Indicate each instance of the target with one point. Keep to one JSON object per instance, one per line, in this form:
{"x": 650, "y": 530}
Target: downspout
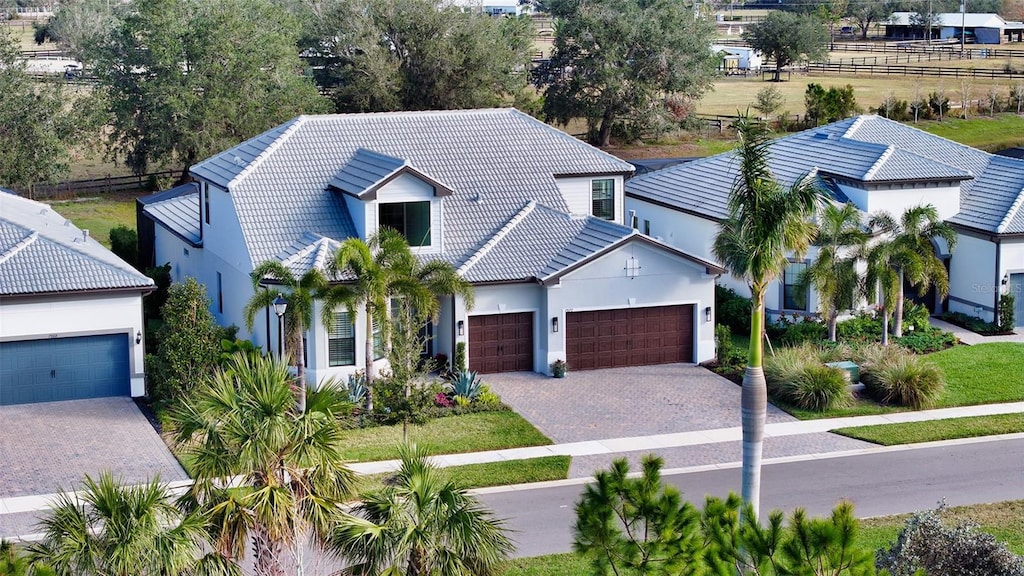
{"x": 995, "y": 285}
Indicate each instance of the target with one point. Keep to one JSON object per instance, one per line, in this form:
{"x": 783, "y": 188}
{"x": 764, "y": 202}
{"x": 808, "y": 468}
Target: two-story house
{"x": 532, "y": 217}
{"x": 877, "y": 164}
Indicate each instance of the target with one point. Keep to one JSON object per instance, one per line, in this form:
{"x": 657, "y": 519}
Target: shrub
{"x": 728, "y": 354}
{"x": 915, "y": 315}
{"x": 863, "y": 327}
{"x": 803, "y": 332}
{"x": 817, "y": 387}
{"x": 189, "y": 343}
{"x": 124, "y": 242}
{"x": 1006, "y": 313}
{"x": 972, "y": 323}
{"x": 927, "y": 341}
{"x": 784, "y": 366}
{"x": 904, "y": 380}
{"x": 488, "y": 397}
{"x": 925, "y": 545}
{"x": 356, "y": 387}
{"x": 460, "y": 358}
{"x": 391, "y": 405}
{"x": 732, "y": 309}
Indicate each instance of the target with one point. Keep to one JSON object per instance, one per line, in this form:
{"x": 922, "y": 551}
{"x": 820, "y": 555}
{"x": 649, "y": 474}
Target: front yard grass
{"x": 449, "y": 435}
{"x": 934, "y": 430}
{"x": 1004, "y": 520}
{"x": 496, "y": 473}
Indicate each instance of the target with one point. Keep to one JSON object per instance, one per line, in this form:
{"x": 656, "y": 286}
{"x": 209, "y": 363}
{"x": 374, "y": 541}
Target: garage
{"x": 501, "y": 342}
{"x": 55, "y": 369}
{"x": 629, "y": 337}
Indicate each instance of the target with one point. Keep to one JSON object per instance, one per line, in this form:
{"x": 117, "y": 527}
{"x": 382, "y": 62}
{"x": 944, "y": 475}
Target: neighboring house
{"x": 70, "y": 310}
{"x": 977, "y": 28}
{"x": 528, "y": 214}
{"x": 745, "y": 58}
{"x": 876, "y": 164}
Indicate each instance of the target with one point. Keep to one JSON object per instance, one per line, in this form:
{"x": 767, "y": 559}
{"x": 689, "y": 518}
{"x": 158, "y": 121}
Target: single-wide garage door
{"x": 501, "y": 342}
{"x": 1017, "y": 289}
{"x": 629, "y": 337}
{"x": 64, "y": 369}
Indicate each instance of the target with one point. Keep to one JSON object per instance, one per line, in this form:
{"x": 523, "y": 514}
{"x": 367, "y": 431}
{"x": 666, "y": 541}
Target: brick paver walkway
{"x": 624, "y": 402}
{"x": 47, "y": 447}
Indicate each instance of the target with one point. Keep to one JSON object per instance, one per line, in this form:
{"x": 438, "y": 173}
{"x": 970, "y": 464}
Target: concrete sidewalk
{"x": 971, "y": 338}
{"x": 21, "y": 510}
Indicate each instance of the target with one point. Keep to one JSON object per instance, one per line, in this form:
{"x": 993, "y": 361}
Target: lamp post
{"x": 280, "y": 305}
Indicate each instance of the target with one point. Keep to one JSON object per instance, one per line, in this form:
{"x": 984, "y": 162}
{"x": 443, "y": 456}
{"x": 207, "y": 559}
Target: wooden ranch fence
{"x": 839, "y": 69}
{"x": 103, "y": 185}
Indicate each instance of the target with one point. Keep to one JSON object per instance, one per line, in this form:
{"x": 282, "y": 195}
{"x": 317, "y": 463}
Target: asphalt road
{"x": 880, "y": 483}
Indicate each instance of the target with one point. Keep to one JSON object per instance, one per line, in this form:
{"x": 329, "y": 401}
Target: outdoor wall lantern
{"x": 1006, "y": 279}
{"x": 138, "y": 337}
{"x": 554, "y": 324}
{"x": 461, "y": 327}
{"x": 707, "y": 314}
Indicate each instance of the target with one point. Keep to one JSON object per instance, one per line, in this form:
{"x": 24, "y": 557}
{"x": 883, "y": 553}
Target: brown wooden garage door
{"x": 501, "y": 342}
{"x": 629, "y": 337}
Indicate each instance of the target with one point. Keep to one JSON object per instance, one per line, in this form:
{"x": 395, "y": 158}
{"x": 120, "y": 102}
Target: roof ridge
{"x": 902, "y": 126}
{"x": 266, "y": 152}
{"x": 1015, "y": 208}
{"x": 882, "y": 159}
{"x": 504, "y": 231}
{"x": 463, "y": 111}
{"x": 24, "y": 243}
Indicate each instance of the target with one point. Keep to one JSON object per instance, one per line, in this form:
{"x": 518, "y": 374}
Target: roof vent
{"x": 821, "y": 136}
{"x": 85, "y": 235}
{"x": 238, "y": 161}
{"x": 67, "y": 222}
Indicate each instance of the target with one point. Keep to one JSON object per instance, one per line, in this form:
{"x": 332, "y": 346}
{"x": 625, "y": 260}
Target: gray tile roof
{"x": 178, "y": 210}
{"x": 495, "y": 161}
{"x": 365, "y": 171}
{"x": 864, "y": 148}
{"x": 41, "y": 253}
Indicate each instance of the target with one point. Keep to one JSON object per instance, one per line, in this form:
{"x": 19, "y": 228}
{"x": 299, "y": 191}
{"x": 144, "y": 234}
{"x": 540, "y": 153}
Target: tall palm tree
{"x": 299, "y": 293}
{"x": 125, "y": 531}
{"x": 421, "y": 524}
{"x": 382, "y": 268}
{"x": 913, "y": 252}
{"x": 293, "y": 479}
{"x": 833, "y": 273}
{"x": 766, "y": 222}
{"x": 882, "y": 282}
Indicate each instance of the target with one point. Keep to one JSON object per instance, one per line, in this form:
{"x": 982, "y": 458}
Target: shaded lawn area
{"x": 1004, "y": 520}
{"x": 934, "y": 430}
{"x": 981, "y": 374}
{"x": 495, "y": 473}
{"x": 449, "y": 435}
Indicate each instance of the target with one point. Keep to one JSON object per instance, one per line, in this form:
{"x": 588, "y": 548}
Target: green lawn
{"x": 498, "y": 473}
{"x": 992, "y": 134}
{"x": 1004, "y": 520}
{"x": 451, "y": 435}
{"x": 934, "y": 430}
{"x": 98, "y": 215}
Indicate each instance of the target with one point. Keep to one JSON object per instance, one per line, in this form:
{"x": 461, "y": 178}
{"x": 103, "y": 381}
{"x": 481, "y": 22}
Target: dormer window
{"x": 602, "y": 196}
{"x": 411, "y": 219}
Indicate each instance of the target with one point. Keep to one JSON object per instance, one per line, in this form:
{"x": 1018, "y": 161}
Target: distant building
{"x": 976, "y": 28}
{"x": 494, "y": 7}
{"x": 744, "y": 58}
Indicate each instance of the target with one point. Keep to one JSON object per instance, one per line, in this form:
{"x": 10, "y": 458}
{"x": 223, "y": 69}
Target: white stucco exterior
{"x": 577, "y": 192}
{"x": 66, "y": 315}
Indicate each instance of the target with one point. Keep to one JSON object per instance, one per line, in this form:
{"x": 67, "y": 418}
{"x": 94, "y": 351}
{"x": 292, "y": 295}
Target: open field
{"x": 1004, "y": 520}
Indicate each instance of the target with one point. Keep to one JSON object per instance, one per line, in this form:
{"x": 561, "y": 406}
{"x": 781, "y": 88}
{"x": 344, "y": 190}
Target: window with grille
{"x": 341, "y": 341}
{"x": 602, "y": 194}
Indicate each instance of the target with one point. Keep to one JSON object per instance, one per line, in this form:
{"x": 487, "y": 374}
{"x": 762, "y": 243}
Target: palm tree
{"x": 833, "y": 273}
{"x": 380, "y": 269}
{"x": 421, "y": 524}
{"x": 766, "y": 222}
{"x": 913, "y": 252}
{"x": 125, "y": 531}
{"x": 299, "y": 293}
{"x": 293, "y": 479}
{"x": 882, "y": 282}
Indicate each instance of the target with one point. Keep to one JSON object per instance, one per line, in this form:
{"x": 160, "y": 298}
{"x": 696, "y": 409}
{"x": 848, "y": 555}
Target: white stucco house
{"x": 876, "y": 164}
{"x": 532, "y": 217}
{"x": 70, "y": 310}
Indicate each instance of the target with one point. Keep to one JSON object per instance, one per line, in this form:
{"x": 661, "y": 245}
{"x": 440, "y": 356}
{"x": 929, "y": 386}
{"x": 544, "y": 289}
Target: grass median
{"x": 496, "y": 473}
{"x": 935, "y": 430}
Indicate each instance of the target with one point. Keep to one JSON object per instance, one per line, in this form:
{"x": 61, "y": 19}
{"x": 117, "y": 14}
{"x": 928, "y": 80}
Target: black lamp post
{"x": 280, "y": 306}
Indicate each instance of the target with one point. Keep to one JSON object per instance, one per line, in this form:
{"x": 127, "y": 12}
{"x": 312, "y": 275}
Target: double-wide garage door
{"x": 629, "y": 337}
{"x": 64, "y": 369}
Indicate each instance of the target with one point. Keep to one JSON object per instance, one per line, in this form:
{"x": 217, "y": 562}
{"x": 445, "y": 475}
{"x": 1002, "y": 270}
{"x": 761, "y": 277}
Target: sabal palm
{"x": 833, "y": 273}
{"x": 913, "y": 253}
{"x": 379, "y": 269}
{"x": 766, "y": 222}
{"x": 421, "y": 524}
{"x": 299, "y": 293}
{"x": 292, "y": 474}
{"x": 125, "y": 531}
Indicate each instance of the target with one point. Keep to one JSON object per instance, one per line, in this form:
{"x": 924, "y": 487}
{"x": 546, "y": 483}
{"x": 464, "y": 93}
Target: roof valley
{"x": 504, "y": 231}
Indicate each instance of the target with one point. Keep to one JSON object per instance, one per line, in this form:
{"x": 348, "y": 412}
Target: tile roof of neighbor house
{"x": 494, "y": 161}
{"x": 41, "y": 252}
{"x": 866, "y": 148}
{"x": 178, "y": 210}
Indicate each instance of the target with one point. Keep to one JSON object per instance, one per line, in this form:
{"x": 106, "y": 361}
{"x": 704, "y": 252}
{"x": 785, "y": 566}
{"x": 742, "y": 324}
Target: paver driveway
{"x": 47, "y": 447}
{"x": 624, "y": 402}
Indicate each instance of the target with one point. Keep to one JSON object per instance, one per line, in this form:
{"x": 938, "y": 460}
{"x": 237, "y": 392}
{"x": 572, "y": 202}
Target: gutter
{"x": 143, "y": 289}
